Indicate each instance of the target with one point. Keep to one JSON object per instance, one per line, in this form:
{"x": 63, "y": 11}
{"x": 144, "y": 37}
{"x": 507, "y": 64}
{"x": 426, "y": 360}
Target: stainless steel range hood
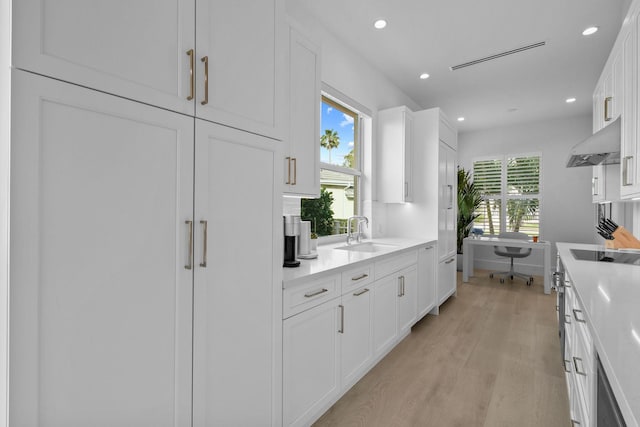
{"x": 601, "y": 147}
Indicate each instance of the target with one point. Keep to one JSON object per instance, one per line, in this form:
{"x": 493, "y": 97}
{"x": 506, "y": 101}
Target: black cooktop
{"x": 620, "y": 257}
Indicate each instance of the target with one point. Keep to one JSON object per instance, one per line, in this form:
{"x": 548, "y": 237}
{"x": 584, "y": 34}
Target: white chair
{"x": 512, "y": 253}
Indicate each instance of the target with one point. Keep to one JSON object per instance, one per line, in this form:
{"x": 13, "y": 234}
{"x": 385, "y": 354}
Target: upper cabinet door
{"x": 101, "y": 301}
{"x": 137, "y": 50}
{"x": 241, "y": 54}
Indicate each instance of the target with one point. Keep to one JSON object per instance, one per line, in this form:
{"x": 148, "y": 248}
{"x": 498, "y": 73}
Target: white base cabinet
{"x": 331, "y": 339}
{"x": 427, "y": 273}
{"x": 126, "y": 304}
{"x": 446, "y": 279}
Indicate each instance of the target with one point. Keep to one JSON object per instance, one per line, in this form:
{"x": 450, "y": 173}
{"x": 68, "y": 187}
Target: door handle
{"x": 341, "y": 330}
{"x": 607, "y": 102}
{"x": 204, "y": 244}
{"x": 205, "y": 59}
{"x": 189, "y": 265}
{"x": 190, "y": 53}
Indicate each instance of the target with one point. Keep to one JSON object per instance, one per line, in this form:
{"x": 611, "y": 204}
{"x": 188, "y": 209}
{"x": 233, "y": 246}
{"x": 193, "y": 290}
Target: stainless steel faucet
{"x": 358, "y": 233}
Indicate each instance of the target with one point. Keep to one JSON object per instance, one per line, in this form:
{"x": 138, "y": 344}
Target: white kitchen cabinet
{"x": 385, "y": 318}
{"x": 127, "y": 306}
{"x": 356, "y": 335}
{"x": 302, "y": 147}
{"x": 407, "y": 299}
{"x": 447, "y": 201}
{"x": 175, "y": 60}
{"x": 630, "y": 148}
{"x": 311, "y": 362}
{"x": 605, "y": 183}
{"x": 395, "y": 155}
{"x": 234, "y": 312}
{"x": 446, "y": 279}
{"x": 427, "y": 265}
{"x": 101, "y": 302}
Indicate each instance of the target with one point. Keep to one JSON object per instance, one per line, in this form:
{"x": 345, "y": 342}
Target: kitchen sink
{"x": 368, "y": 247}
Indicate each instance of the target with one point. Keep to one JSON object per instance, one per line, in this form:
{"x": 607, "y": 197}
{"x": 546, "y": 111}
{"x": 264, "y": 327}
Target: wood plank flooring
{"x": 491, "y": 359}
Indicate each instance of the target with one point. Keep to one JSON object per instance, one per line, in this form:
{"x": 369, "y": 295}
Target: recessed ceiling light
{"x": 461, "y": 119}
{"x": 380, "y": 24}
{"x": 589, "y": 31}
{"x": 570, "y": 100}
{"x": 424, "y": 76}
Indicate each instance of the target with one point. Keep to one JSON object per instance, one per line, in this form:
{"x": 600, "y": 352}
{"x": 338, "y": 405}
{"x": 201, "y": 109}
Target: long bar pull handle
{"x": 204, "y": 244}
{"x": 625, "y": 171}
{"x": 450, "y": 261}
{"x": 341, "y": 330}
{"x": 403, "y": 286}
{"x": 450, "y": 196}
{"x": 205, "y": 59}
{"x": 360, "y": 277}
{"x": 578, "y": 319}
{"x": 313, "y": 294}
{"x": 428, "y": 247}
{"x": 364, "y": 291}
{"x": 189, "y": 265}
{"x": 288, "y": 159}
{"x": 607, "y": 103}
{"x": 575, "y": 364}
{"x": 295, "y": 171}
{"x": 191, "y": 53}
{"x": 567, "y": 363}
{"x": 400, "y": 286}
{"x": 594, "y": 186}
{"x": 567, "y": 319}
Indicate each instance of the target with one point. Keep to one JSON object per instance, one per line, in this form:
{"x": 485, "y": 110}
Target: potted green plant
{"x": 469, "y": 199}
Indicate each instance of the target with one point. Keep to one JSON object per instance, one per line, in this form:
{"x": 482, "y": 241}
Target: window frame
{"x": 504, "y": 197}
{"x": 357, "y": 172}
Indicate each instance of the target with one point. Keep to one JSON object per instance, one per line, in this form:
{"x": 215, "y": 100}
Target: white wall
{"x": 566, "y": 212}
{"x": 347, "y": 72}
{"x": 5, "y": 136}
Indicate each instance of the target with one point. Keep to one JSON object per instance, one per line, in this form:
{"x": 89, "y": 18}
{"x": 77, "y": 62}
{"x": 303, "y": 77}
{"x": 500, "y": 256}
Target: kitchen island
{"x": 609, "y": 294}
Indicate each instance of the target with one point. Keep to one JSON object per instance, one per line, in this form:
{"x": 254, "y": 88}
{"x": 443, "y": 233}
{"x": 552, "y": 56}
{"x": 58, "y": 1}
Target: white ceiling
{"x": 430, "y": 36}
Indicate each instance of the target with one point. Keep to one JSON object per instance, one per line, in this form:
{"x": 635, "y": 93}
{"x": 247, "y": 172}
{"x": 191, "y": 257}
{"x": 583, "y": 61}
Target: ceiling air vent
{"x": 497, "y": 55}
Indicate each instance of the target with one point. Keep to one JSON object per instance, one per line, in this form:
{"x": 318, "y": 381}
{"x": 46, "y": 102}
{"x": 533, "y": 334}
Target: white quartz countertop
{"x": 610, "y": 296}
{"x": 331, "y": 260}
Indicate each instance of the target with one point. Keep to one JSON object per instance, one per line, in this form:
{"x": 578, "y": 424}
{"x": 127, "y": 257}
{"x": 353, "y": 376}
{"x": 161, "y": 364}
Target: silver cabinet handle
{"x": 400, "y": 286}
{"x": 341, "y": 330}
{"x": 205, "y": 101}
{"x": 191, "y": 54}
{"x": 607, "y": 112}
{"x": 360, "y": 277}
{"x": 295, "y": 170}
{"x": 567, "y": 363}
{"x": 428, "y": 247}
{"x": 575, "y": 364}
{"x": 204, "y": 243}
{"x": 450, "y": 196}
{"x": 578, "y": 319}
{"x": 625, "y": 171}
{"x": 450, "y": 261}
{"x": 288, "y": 159}
{"x": 567, "y": 319}
{"x": 316, "y": 293}
{"x": 189, "y": 265}
{"x": 594, "y": 186}
{"x": 364, "y": 291}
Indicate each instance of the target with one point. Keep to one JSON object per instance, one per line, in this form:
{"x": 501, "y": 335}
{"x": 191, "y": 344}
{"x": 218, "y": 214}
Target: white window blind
{"x": 510, "y": 186}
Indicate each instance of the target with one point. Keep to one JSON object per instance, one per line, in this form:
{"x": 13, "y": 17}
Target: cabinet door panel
{"x": 384, "y": 313}
{"x": 100, "y": 299}
{"x": 311, "y": 350}
{"x": 357, "y": 335}
{"x": 234, "y": 305}
{"x": 426, "y": 280}
{"x": 304, "y": 117}
{"x": 132, "y": 49}
{"x": 446, "y": 279}
{"x": 408, "y": 302}
{"x": 243, "y": 40}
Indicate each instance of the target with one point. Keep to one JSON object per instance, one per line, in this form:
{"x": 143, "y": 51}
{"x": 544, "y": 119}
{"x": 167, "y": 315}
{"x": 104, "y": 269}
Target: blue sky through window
{"x": 343, "y": 124}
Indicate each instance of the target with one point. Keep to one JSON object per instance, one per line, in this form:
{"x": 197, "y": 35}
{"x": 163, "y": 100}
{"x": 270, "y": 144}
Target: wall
{"x": 5, "y": 137}
{"x": 345, "y": 71}
{"x": 566, "y": 213}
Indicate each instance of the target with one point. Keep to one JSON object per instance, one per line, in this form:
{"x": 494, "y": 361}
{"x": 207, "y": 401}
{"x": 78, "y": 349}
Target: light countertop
{"x": 331, "y": 260}
{"x": 610, "y": 296}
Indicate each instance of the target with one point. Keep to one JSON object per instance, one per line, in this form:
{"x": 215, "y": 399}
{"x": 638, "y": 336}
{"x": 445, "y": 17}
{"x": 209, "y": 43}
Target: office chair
{"x": 512, "y": 253}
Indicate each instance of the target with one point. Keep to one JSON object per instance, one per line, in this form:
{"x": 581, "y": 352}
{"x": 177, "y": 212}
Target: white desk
{"x": 467, "y": 249}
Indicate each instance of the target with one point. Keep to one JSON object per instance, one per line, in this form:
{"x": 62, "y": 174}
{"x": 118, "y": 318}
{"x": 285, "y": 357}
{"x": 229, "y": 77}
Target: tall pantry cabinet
{"x": 141, "y": 188}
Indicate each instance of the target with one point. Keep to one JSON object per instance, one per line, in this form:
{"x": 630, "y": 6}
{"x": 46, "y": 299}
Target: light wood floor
{"x": 491, "y": 358}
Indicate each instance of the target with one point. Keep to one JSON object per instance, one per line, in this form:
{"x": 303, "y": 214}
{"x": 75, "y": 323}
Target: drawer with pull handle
{"x": 305, "y": 296}
{"x": 357, "y": 277}
{"x": 391, "y": 265}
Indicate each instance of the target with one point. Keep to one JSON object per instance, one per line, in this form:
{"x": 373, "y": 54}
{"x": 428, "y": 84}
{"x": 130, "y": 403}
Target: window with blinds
{"x": 510, "y": 188}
